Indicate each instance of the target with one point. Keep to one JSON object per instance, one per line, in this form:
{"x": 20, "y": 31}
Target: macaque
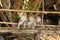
{"x": 32, "y": 21}
{"x": 23, "y": 19}
{"x": 38, "y": 19}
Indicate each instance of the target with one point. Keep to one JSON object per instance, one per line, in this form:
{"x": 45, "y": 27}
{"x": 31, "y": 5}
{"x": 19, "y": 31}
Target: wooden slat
{"x": 15, "y": 30}
{"x": 26, "y": 31}
{"x": 7, "y": 29}
{"x": 23, "y": 31}
{"x": 51, "y": 25}
{"x": 48, "y": 32}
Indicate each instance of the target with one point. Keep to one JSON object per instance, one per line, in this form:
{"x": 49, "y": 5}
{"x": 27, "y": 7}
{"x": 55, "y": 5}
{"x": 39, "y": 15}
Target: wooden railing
{"x": 2, "y": 29}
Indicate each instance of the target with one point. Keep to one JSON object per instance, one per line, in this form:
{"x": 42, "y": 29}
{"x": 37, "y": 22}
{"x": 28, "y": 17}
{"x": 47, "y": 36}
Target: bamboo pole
{"x": 46, "y": 12}
{"x": 7, "y": 23}
{"x": 19, "y": 10}
{"x": 52, "y": 12}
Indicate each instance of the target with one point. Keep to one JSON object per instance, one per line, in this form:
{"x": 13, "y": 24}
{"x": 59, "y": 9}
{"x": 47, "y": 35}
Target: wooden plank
{"x": 26, "y": 31}
{"x": 15, "y": 30}
{"x": 7, "y": 29}
{"x": 49, "y": 31}
{"x": 23, "y": 31}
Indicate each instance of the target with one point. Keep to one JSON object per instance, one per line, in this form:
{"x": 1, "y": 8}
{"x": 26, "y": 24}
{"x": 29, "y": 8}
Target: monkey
{"x": 32, "y": 21}
{"x": 22, "y": 20}
{"x": 38, "y": 19}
